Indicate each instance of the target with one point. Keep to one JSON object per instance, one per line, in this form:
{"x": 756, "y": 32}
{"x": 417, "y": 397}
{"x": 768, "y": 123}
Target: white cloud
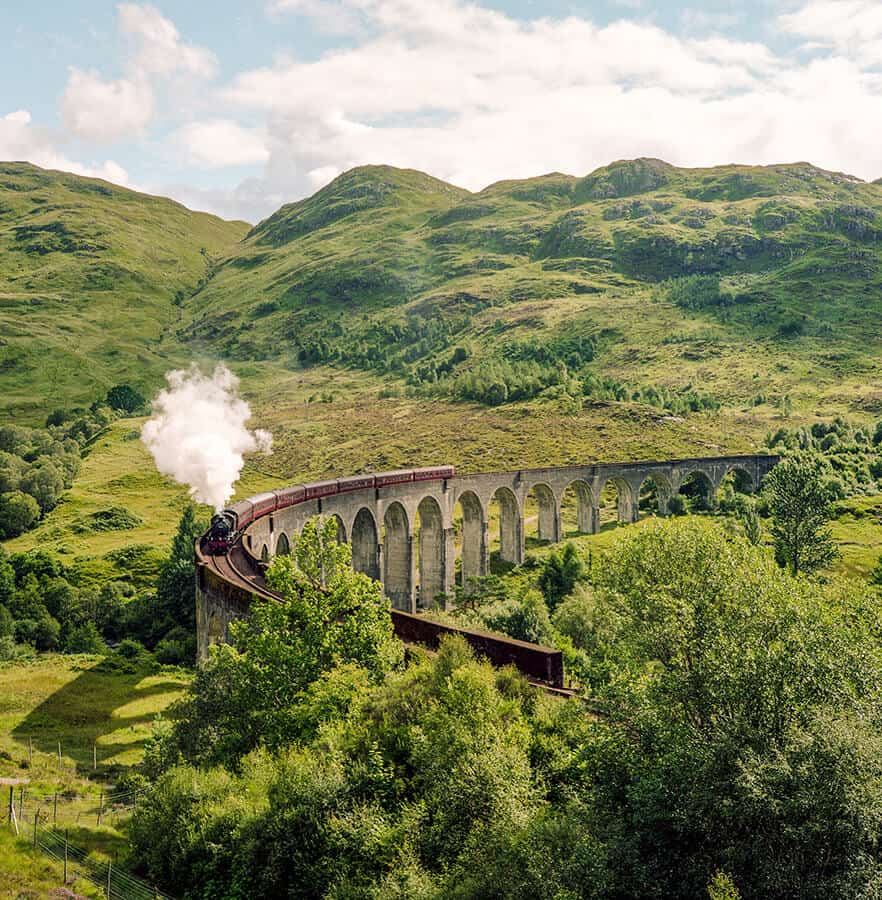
{"x": 472, "y": 95}
{"x": 159, "y": 47}
{"x": 222, "y": 142}
{"x": 21, "y": 140}
{"x": 101, "y": 110}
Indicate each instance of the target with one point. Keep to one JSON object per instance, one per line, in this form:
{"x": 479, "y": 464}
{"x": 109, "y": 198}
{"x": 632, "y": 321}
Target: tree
{"x": 749, "y": 518}
{"x": 125, "y": 398}
{"x": 7, "y": 579}
{"x": 331, "y": 616}
{"x": 560, "y": 573}
{"x": 523, "y": 617}
{"x": 44, "y": 481}
{"x": 19, "y": 512}
{"x": 799, "y": 503}
{"x": 175, "y": 604}
{"x": 748, "y": 695}
{"x": 84, "y": 639}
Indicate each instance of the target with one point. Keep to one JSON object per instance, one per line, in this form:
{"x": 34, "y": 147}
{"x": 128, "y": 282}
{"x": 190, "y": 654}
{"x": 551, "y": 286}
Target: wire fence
{"x": 35, "y": 823}
{"x": 67, "y": 809}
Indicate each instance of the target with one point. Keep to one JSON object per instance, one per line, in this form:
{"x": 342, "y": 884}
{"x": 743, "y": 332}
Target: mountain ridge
{"x": 387, "y": 270}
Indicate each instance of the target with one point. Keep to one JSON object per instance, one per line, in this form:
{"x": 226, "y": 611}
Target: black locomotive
{"x": 221, "y": 534}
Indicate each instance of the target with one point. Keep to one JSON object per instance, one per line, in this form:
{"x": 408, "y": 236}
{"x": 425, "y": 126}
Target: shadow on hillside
{"x": 112, "y": 710}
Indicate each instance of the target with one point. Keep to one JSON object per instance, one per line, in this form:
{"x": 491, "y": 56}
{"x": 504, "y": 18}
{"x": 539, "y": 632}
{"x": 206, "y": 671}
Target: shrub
{"x": 125, "y": 398}
{"x": 697, "y": 292}
{"x": 130, "y": 649}
{"x": 524, "y": 617}
{"x": 19, "y": 512}
{"x": 8, "y": 648}
{"x": 173, "y": 653}
{"x": 677, "y": 505}
{"x": 559, "y": 575}
{"x": 84, "y": 639}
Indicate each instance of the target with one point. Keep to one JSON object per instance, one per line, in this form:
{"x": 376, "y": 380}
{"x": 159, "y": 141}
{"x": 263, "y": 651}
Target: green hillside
{"x": 91, "y": 279}
{"x": 388, "y": 270}
{"x": 738, "y": 285}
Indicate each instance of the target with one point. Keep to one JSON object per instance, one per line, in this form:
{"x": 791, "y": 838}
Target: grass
{"x": 91, "y": 276}
{"x": 79, "y": 704}
{"x": 26, "y": 873}
{"x": 76, "y": 701}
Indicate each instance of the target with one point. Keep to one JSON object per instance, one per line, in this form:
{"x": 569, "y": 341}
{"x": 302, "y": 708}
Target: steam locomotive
{"x": 226, "y": 526}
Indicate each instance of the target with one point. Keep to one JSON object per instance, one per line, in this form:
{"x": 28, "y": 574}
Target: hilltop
{"x": 92, "y": 277}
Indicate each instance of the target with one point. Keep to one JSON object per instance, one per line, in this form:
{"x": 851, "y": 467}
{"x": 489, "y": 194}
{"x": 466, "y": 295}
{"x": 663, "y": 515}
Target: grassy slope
{"x": 89, "y": 273}
{"x": 52, "y": 699}
{"x": 521, "y": 259}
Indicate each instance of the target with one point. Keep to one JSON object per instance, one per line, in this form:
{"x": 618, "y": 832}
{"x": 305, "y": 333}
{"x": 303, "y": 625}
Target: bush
{"x": 173, "y": 653}
{"x": 560, "y": 572}
{"x": 19, "y": 512}
{"x": 697, "y": 292}
{"x": 677, "y": 505}
{"x": 130, "y": 649}
{"x": 84, "y": 639}
{"x": 524, "y": 617}
{"x": 125, "y": 398}
{"x": 8, "y": 648}
{"x": 42, "y": 632}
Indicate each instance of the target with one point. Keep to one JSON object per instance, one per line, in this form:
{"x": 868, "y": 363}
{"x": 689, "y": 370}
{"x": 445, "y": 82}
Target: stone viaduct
{"x": 403, "y": 534}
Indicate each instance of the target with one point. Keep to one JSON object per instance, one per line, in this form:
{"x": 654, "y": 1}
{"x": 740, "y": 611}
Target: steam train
{"x": 227, "y": 526}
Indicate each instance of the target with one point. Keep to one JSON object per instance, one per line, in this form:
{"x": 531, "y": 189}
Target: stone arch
{"x": 625, "y": 506}
{"x": 511, "y": 529}
{"x": 397, "y": 557}
{"x": 737, "y": 481}
{"x": 264, "y": 553}
{"x": 215, "y": 630}
{"x": 698, "y": 486}
{"x": 431, "y": 551}
{"x": 341, "y": 528}
{"x": 365, "y": 544}
{"x": 743, "y": 479}
{"x": 283, "y": 545}
{"x": 541, "y": 504}
{"x": 471, "y": 523}
{"x": 577, "y": 509}
{"x": 654, "y": 494}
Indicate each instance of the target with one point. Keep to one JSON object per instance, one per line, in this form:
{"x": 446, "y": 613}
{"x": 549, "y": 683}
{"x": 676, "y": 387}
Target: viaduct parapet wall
{"x": 403, "y": 534}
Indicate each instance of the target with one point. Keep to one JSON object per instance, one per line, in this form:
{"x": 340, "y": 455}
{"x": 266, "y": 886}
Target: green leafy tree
{"x": 799, "y": 503}
{"x": 560, "y": 573}
{"x": 330, "y": 616}
{"x": 175, "y": 606}
{"x": 19, "y": 512}
{"x": 750, "y": 696}
{"x": 125, "y": 398}
{"x": 44, "y": 481}
{"x": 749, "y": 517}
{"x": 523, "y": 617}
{"x": 84, "y": 639}
{"x": 7, "y": 579}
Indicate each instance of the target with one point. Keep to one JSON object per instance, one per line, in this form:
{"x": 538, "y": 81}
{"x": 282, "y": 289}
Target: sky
{"x": 237, "y": 107}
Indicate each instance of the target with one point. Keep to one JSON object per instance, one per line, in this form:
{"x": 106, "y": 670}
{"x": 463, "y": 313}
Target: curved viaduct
{"x": 403, "y": 534}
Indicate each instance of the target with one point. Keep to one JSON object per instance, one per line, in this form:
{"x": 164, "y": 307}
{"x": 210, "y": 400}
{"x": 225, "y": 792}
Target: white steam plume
{"x": 197, "y": 433}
